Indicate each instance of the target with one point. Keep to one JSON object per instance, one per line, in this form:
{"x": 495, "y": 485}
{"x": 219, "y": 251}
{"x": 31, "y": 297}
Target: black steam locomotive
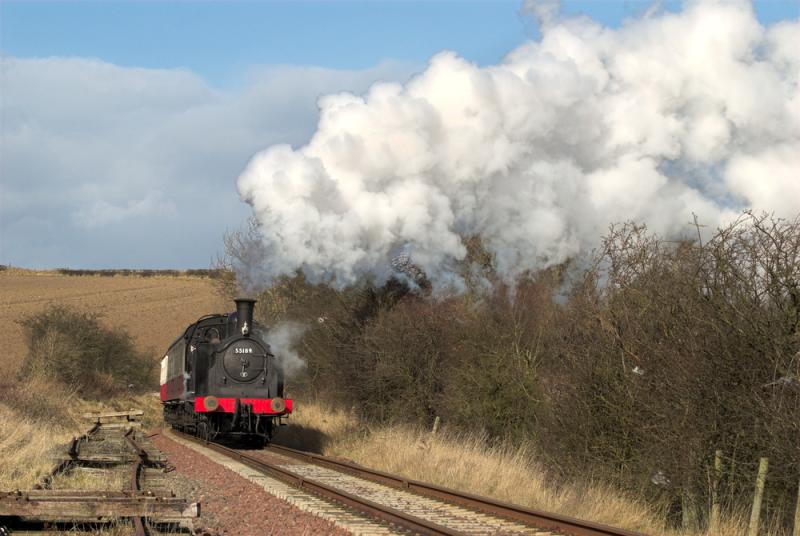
{"x": 219, "y": 379}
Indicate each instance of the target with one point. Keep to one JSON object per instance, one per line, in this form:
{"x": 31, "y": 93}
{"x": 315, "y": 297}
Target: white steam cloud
{"x": 282, "y": 339}
{"x": 669, "y": 115}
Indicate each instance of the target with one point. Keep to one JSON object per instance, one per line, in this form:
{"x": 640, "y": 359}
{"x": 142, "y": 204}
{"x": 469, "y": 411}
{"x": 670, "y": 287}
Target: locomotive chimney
{"x": 244, "y": 315}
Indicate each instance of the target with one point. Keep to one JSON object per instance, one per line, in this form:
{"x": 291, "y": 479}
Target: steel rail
{"x": 535, "y": 518}
{"x": 139, "y": 523}
{"x": 375, "y": 510}
{"x": 140, "y": 451}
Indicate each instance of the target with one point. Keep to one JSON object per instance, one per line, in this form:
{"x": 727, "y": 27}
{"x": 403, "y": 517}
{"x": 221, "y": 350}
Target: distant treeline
{"x": 212, "y": 273}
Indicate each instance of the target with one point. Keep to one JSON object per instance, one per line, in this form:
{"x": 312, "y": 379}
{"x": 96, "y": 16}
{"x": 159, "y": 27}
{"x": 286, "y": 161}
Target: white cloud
{"x": 104, "y": 213}
{"x": 95, "y": 153}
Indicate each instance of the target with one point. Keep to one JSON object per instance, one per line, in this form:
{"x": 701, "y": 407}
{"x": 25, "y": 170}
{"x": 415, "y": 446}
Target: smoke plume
{"x": 282, "y": 339}
{"x": 670, "y": 115}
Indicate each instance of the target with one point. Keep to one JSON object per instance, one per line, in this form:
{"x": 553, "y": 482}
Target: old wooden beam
{"x": 114, "y": 414}
{"x": 81, "y": 506}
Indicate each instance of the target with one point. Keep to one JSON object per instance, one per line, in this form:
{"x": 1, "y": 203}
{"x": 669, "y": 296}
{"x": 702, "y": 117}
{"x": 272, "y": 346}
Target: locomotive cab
{"x": 220, "y": 378}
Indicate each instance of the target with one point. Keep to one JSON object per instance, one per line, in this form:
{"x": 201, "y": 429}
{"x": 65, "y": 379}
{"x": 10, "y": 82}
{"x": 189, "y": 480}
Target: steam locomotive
{"x": 220, "y": 379}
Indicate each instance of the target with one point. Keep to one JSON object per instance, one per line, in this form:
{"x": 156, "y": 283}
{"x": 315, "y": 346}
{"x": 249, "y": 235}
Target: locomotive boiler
{"x": 220, "y": 379}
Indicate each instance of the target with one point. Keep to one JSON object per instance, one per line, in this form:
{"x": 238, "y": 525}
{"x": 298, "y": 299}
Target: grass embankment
{"x": 30, "y": 443}
{"x": 468, "y": 462}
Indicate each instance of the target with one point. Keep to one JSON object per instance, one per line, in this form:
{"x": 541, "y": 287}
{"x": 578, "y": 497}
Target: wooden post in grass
{"x": 755, "y": 514}
{"x": 436, "y": 422}
{"x": 713, "y": 521}
{"x": 688, "y": 509}
{"x": 796, "y": 530}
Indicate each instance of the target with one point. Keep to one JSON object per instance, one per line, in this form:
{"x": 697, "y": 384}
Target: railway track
{"x": 110, "y": 473}
{"x": 404, "y": 504}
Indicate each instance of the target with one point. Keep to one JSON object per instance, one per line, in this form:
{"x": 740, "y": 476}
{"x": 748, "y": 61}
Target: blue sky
{"x": 220, "y": 40}
{"x": 126, "y": 124}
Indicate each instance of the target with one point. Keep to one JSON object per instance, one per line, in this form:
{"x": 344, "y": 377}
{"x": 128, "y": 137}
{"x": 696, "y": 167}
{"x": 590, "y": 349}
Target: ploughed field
{"x": 153, "y": 309}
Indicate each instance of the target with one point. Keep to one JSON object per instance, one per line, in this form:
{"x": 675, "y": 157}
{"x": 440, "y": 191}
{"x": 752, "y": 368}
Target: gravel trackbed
{"x": 233, "y": 506}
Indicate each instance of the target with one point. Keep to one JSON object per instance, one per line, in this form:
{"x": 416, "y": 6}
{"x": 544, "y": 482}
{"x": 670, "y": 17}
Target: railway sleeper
{"x": 104, "y": 450}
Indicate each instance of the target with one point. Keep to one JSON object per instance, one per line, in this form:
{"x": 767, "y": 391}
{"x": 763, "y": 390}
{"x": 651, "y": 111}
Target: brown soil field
{"x": 154, "y": 310}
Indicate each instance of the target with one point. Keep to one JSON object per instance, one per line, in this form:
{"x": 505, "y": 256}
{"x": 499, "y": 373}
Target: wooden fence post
{"x": 436, "y": 422}
{"x": 796, "y": 530}
{"x": 755, "y": 514}
{"x": 713, "y": 521}
{"x": 688, "y": 510}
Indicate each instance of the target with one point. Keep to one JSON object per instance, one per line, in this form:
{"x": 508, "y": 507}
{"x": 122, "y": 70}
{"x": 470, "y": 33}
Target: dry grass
{"x": 27, "y": 448}
{"x": 465, "y": 462}
{"x": 95, "y": 480}
{"x": 30, "y": 443}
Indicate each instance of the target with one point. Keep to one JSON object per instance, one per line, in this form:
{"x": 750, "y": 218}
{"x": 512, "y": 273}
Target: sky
{"x": 124, "y": 125}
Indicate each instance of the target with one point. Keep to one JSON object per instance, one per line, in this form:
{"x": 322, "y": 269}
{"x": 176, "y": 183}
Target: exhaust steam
{"x": 670, "y": 115}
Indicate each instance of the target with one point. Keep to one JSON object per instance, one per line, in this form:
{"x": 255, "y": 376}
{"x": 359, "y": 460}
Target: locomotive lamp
{"x": 211, "y": 403}
{"x": 278, "y": 404}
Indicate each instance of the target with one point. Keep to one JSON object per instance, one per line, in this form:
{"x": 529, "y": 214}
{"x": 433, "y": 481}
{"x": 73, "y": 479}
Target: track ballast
{"x": 409, "y": 505}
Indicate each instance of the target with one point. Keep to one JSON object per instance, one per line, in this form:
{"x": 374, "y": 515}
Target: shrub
{"x": 75, "y": 349}
{"x": 673, "y": 350}
{"x": 654, "y": 356}
{"x": 42, "y": 399}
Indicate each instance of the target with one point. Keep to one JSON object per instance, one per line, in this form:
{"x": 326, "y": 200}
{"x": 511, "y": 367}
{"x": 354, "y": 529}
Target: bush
{"x": 671, "y": 351}
{"x": 74, "y": 349}
{"x": 42, "y": 399}
{"x": 654, "y": 356}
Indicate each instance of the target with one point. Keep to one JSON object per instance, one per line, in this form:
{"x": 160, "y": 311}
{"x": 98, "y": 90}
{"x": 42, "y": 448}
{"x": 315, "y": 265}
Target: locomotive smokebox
{"x": 244, "y": 315}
